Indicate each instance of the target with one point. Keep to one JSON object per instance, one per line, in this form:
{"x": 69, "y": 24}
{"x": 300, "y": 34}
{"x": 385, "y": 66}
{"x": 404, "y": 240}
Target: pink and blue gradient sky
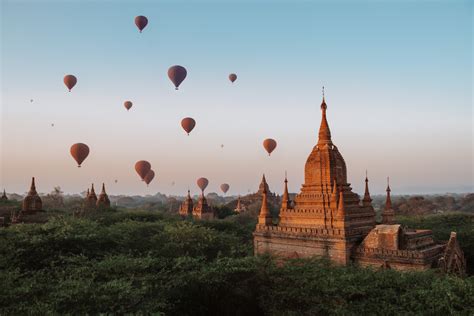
{"x": 398, "y": 78}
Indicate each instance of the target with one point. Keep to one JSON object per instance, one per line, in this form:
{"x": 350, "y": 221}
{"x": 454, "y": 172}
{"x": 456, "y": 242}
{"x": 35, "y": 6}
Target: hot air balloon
{"x": 79, "y": 152}
{"x": 225, "y": 187}
{"x": 172, "y": 183}
{"x": 70, "y": 81}
{"x": 141, "y": 22}
{"x": 127, "y": 104}
{"x": 149, "y": 177}
{"x": 232, "y": 77}
{"x": 31, "y": 100}
{"x": 177, "y": 74}
{"x": 222, "y": 145}
{"x": 188, "y": 124}
{"x": 202, "y": 183}
{"x": 269, "y": 145}
{"x": 142, "y": 167}
{"x": 116, "y": 180}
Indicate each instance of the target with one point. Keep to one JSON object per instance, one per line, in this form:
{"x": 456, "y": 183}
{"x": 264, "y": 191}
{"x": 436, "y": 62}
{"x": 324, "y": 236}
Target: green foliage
{"x": 117, "y": 262}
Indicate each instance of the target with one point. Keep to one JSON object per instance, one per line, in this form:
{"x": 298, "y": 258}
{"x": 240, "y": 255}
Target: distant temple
{"x": 4, "y": 196}
{"x": 264, "y": 186}
{"x": 32, "y": 202}
{"x": 91, "y": 201}
{"x": 239, "y": 208}
{"x": 91, "y": 198}
{"x": 202, "y": 210}
{"x": 186, "y": 208}
{"x": 103, "y": 200}
{"x": 327, "y": 219}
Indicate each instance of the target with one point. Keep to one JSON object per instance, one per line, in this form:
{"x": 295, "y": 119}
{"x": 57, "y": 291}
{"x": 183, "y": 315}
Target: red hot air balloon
{"x": 142, "y": 167}
{"x": 177, "y": 74}
{"x": 70, "y": 81}
{"x": 149, "y": 177}
{"x": 202, "y": 183}
{"x": 79, "y": 152}
{"x": 128, "y": 105}
{"x": 269, "y": 145}
{"x": 188, "y": 124}
{"x": 141, "y": 22}
{"x": 232, "y": 77}
{"x": 225, "y": 187}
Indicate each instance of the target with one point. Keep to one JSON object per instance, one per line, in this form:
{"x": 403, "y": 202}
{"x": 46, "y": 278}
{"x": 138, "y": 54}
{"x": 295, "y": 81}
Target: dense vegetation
{"x": 142, "y": 262}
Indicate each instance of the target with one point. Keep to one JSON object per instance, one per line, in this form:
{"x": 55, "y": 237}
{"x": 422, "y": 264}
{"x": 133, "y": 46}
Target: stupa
{"x": 186, "y": 208}
{"x": 103, "y": 200}
{"x": 91, "y": 198}
{"x": 32, "y": 202}
{"x": 4, "y": 196}
{"x": 202, "y": 210}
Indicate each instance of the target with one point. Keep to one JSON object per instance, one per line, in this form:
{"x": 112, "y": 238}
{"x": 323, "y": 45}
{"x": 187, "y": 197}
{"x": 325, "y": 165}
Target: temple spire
{"x": 388, "y": 214}
{"x": 4, "y": 196}
{"x": 285, "y": 201}
{"x": 388, "y": 201}
{"x": 265, "y": 217}
{"x": 33, "y": 186}
{"x": 103, "y": 188}
{"x": 367, "y": 200}
{"x": 92, "y": 189}
{"x": 324, "y": 132}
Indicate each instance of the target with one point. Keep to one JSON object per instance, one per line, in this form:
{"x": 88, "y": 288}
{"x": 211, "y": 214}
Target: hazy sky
{"x": 398, "y": 78}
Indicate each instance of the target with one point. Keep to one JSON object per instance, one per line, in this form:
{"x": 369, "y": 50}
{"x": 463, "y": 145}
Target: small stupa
{"x": 186, "y": 207}
{"x": 103, "y": 201}
{"x": 4, "y": 196}
{"x": 32, "y": 202}
{"x": 203, "y": 210}
{"x": 91, "y": 199}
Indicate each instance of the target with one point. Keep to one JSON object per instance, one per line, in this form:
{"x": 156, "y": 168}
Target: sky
{"x": 397, "y": 76}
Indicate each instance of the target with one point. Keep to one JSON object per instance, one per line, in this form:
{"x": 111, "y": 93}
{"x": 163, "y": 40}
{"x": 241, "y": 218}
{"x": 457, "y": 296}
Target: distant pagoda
{"x": 91, "y": 198}
{"x": 32, "y": 202}
{"x": 103, "y": 200}
{"x": 186, "y": 208}
{"x": 4, "y": 196}
{"x": 202, "y": 210}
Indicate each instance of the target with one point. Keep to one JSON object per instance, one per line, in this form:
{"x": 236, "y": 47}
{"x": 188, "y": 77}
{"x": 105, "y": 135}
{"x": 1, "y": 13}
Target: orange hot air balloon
{"x": 149, "y": 177}
{"x": 188, "y": 124}
{"x": 79, "y": 152}
{"x": 232, "y": 77}
{"x": 141, "y": 22}
{"x": 70, "y": 81}
{"x": 177, "y": 74}
{"x": 142, "y": 167}
{"x": 128, "y": 105}
{"x": 269, "y": 145}
{"x": 225, "y": 187}
{"x": 202, "y": 183}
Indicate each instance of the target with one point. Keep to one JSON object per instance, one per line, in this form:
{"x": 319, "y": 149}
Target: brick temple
{"x": 201, "y": 210}
{"x": 327, "y": 219}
